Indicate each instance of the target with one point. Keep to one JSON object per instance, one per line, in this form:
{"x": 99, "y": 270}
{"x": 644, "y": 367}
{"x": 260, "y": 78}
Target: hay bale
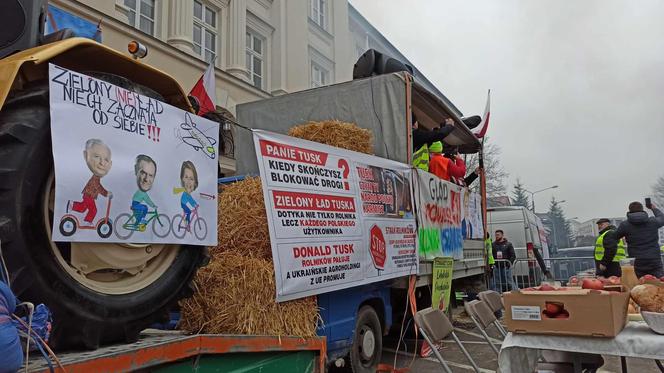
{"x": 236, "y": 294}
{"x": 242, "y": 220}
{"x": 336, "y": 133}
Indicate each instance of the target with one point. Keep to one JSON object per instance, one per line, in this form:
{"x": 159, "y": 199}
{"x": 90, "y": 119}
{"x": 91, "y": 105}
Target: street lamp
{"x": 532, "y": 194}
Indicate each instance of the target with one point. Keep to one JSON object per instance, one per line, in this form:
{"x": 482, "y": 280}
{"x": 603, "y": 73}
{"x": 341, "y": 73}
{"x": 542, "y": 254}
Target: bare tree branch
{"x": 495, "y": 174}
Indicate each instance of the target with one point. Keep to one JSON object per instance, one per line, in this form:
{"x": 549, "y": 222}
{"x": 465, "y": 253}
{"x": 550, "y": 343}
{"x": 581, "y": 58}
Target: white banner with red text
{"x": 337, "y": 218}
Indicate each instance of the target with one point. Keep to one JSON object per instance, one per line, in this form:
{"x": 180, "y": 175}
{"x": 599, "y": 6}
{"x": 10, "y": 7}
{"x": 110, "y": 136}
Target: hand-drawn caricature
{"x": 189, "y": 179}
{"x": 145, "y": 170}
{"x": 97, "y": 155}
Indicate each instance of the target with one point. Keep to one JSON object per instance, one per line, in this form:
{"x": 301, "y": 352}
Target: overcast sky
{"x": 577, "y": 87}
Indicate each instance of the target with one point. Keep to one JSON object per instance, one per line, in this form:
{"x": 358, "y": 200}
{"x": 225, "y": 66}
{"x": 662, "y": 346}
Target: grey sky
{"x": 577, "y": 87}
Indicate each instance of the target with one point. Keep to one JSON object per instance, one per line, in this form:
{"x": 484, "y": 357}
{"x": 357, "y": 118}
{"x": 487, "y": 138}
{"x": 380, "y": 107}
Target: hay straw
{"x": 242, "y": 221}
{"x": 336, "y": 133}
{"x": 235, "y": 294}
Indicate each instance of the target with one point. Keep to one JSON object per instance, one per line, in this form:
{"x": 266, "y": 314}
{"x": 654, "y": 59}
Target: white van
{"x": 526, "y": 233}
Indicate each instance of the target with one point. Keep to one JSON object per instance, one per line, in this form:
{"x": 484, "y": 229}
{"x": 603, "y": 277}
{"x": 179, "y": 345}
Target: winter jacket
{"x": 506, "y": 249}
{"x": 610, "y": 244}
{"x": 641, "y": 233}
{"x": 421, "y": 136}
{"x": 457, "y": 170}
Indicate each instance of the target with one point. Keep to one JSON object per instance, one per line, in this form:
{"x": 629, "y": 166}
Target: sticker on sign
{"x": 527, "y": 313}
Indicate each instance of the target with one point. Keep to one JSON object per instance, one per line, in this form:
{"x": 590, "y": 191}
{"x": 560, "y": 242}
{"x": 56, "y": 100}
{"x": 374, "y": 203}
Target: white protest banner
{"x": 471, "y": 225}
{"x": 439, "y": 216}
{"x": 129, "y": 168}
{"x": 337, "y": 218}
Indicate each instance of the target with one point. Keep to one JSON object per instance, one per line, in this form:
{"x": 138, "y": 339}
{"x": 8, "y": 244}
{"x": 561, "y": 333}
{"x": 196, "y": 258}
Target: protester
{"x": 641, "y": 233}
{"x": 456, "y": 168}
{"x": 425, "y": 137}
{"x": 438, "y": 164}
{"x": 609, "y": 251}
{"x": 503, "y": 250}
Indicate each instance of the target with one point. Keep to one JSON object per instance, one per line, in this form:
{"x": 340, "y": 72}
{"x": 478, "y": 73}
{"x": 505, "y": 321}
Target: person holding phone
{"x": 641, "y": 233}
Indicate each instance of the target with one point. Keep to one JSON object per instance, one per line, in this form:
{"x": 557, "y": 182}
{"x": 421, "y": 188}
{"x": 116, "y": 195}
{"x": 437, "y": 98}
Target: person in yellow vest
{"x": 491, "y": 261}
{"x": 422, "y": 138}
{"x": 609, "y": 251}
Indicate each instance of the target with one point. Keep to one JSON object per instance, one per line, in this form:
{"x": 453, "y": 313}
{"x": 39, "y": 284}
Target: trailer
{"x": 175, "y": 352}
{"x": 356, "y": 319}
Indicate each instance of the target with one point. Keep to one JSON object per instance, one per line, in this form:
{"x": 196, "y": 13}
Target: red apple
{"x": 645, "y": 278}
{"x": 661, "y": 279}
{"x": 553, "y": 308}
{"x": 573, "y": 281}
{"x": 593, "y": 284}
{"x": 546, "y": 287}
{"x": 563, "y": 315}
{"x": 614, "y": 280}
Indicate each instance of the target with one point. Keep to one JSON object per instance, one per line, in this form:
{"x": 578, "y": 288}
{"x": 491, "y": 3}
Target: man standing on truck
{"x": 503, "y": 251}
{"x": 641, "y": 233}
{"x": 423, "y": 138}
{"x": 609, "y": 251}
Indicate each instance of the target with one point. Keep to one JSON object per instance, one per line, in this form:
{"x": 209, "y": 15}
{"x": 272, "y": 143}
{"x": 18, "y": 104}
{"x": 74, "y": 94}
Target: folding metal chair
{"x": 435, "y": 326}
{"x": 483, "y": 317}
{"x": 495, "y": 302}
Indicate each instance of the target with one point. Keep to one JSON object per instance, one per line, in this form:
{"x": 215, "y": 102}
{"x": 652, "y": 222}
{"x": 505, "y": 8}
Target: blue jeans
{"x": 140, "y": 210}
{"x": 504, "y": 279}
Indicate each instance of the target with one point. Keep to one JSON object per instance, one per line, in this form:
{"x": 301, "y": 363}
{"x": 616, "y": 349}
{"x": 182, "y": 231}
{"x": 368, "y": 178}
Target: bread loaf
{"x": 649, "y": 297}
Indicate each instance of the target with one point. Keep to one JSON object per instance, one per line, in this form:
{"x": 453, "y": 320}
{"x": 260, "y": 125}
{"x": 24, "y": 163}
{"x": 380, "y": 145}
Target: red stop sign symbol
{"x": 377, "y": 247}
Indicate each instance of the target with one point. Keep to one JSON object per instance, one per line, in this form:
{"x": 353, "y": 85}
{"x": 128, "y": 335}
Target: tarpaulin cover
{"x": 377, "y": 104}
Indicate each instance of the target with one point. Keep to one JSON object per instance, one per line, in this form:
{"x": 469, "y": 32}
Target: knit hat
{"x": 436, "y": 147}
{"x": 603, "y": 220}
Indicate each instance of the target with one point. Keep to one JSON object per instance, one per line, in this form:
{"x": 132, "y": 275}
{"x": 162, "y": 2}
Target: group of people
{"x": 430, "y": 154}
{"x": 637, "y": 238}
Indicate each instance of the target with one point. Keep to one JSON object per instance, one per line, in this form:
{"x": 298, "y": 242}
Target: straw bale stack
{"x": 235, "y": 294}
{"x": 242, "y": 221}
{"x": 336, "y": 133}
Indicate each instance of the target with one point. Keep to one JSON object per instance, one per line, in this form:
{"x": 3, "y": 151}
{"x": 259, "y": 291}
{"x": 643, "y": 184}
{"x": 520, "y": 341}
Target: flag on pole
{"x": 485, "y": 118}
{"x": 204, "y": 91}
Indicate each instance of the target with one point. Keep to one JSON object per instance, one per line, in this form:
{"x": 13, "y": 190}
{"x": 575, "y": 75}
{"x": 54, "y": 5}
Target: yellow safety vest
{"x": 421, "y": 158}
{"x": 489, "y": 251}
{"x": 621, "y": 253}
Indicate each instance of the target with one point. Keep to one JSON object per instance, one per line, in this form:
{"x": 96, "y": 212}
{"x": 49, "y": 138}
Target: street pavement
{"x": 483, "y": 355}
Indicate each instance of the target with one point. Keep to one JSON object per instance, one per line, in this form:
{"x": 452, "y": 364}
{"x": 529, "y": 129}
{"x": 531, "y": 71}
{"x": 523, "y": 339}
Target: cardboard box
{"x": 589, "y": 312}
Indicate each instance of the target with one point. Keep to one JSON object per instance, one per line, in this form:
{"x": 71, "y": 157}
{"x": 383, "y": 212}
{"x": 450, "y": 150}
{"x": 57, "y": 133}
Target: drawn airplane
{"x": 195, "y": 138}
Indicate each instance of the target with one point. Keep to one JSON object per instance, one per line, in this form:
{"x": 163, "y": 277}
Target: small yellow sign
{"x": 442, "y": 282}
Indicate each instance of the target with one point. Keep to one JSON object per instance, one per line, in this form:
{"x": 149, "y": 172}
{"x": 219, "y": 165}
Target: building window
{"x": 255, "y": 58}
{"x": 319, "y": 12}
{"x": 319, "y": 75}
{"x": 141, "y": 14}
{"x": 205, "y": 31}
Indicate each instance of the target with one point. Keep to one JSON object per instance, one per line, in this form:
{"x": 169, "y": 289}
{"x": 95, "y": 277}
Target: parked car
{"x": 573, "y": 261}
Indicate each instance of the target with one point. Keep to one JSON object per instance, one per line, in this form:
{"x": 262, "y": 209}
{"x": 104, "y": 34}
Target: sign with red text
{"x": 337, "y": 218}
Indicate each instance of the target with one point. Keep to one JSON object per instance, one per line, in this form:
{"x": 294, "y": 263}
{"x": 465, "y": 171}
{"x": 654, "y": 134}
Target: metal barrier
{"x": 525, "y": 273}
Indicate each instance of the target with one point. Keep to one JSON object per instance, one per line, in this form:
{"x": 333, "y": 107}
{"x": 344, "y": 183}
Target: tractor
{"x": 98, "y": 292}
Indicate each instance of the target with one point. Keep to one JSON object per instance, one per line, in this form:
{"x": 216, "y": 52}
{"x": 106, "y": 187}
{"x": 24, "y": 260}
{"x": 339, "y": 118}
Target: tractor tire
{"x": 82, "y": 316}
{"x": 367, "y": 348}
